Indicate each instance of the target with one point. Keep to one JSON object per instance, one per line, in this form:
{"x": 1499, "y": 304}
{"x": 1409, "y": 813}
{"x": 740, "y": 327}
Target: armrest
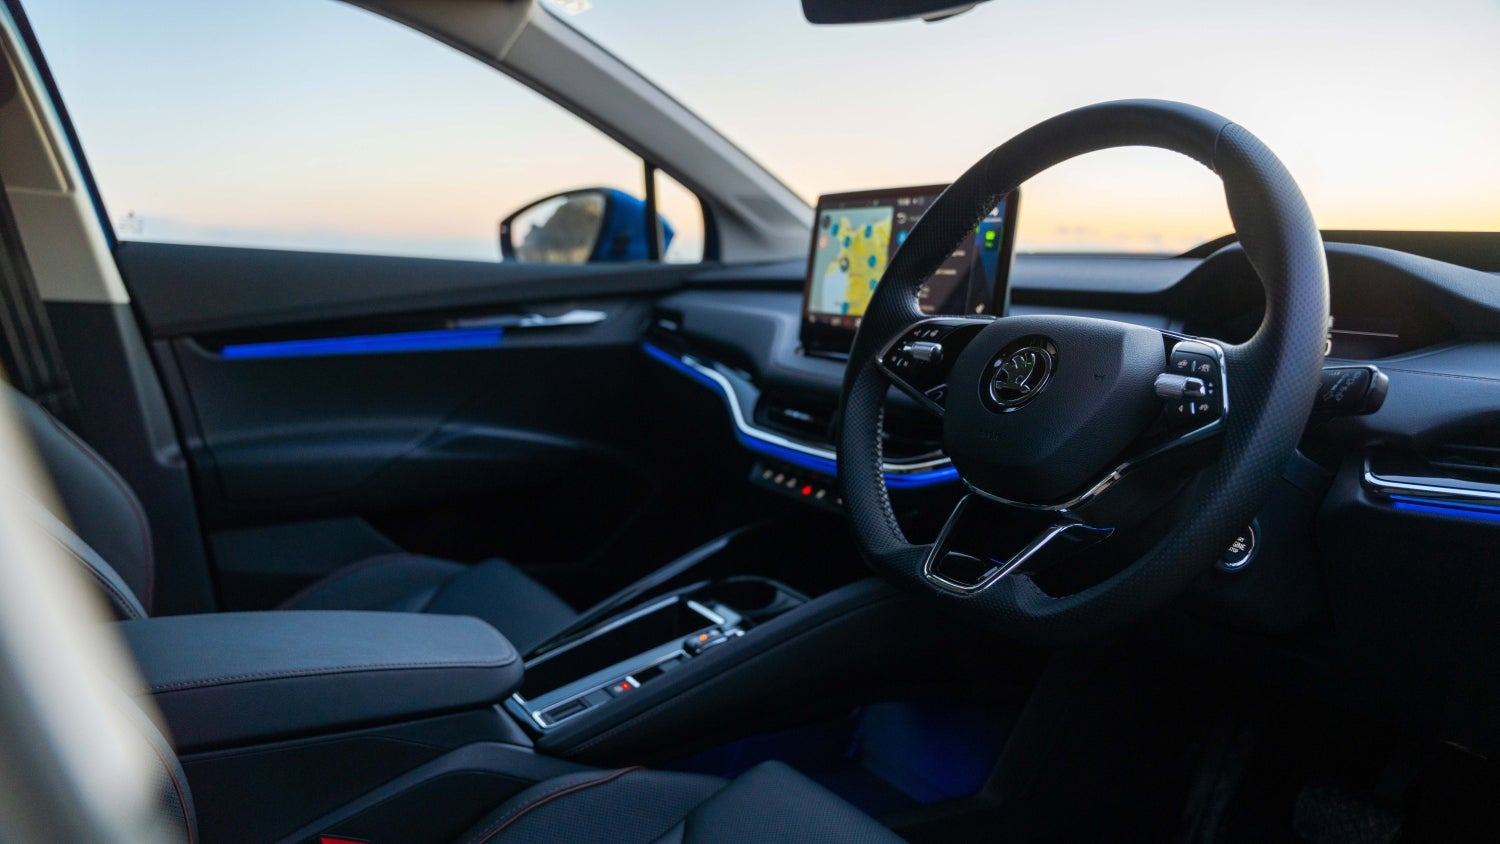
{"x": 238, "y": 678}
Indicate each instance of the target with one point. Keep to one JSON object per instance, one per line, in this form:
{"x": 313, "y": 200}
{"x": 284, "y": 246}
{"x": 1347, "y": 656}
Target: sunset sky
{"x": 310, "y": 124}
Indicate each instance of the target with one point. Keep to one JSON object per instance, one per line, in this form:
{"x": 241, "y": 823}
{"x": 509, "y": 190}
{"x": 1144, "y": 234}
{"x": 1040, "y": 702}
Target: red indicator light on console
{"x": 807, "y": 490}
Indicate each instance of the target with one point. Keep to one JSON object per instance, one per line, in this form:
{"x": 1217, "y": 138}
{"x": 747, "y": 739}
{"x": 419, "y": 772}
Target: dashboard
{"x": 1400, "y": 312}
{"x": 1382, "y": 537}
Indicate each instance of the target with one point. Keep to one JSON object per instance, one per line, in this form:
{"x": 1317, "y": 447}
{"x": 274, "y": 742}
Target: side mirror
{"x": 593, "y": 225}
{"x": 874, "y": 11}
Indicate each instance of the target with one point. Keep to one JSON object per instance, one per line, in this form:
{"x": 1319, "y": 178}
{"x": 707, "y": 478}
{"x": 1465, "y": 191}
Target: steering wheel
{"x": 1107, "y": 464}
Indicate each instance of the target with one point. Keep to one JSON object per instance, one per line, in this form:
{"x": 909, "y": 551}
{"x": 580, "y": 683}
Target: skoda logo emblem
{"x": 1019, "y": 377}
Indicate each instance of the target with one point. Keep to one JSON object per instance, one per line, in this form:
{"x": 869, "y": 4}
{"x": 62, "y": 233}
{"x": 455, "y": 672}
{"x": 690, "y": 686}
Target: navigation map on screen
{"x": 853, "y": 247}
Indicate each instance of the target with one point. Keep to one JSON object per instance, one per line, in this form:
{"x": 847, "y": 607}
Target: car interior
{"x": 693, "y": 508}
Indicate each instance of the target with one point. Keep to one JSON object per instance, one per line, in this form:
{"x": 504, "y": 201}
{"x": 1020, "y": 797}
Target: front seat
{"x": 108, "y": 517}
{"x": 769, "y": 803}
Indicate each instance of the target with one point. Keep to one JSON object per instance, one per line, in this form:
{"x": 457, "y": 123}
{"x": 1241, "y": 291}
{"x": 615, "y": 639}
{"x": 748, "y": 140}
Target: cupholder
{"x": 753, "y": 596}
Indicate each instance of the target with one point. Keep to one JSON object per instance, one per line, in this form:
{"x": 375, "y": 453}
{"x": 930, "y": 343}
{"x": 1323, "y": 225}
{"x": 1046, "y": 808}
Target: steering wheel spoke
{"x": 919, "y": 359}
{"x": 984, "y": 542}
{"x": 1193, "y": 388}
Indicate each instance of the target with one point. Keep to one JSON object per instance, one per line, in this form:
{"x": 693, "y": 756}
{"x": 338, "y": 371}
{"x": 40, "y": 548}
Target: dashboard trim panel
{"x": 898, "y": 474}
{"x": 1434, "y": 491}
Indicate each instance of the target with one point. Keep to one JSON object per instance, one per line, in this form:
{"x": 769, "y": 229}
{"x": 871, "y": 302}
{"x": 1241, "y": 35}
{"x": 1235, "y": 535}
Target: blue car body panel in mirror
{"x": 623, "y": 235}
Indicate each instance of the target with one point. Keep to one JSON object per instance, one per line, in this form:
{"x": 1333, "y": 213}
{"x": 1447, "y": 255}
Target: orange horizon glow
{"x": 365, "y": 136}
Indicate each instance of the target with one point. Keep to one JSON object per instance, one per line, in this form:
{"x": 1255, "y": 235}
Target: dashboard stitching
{"x": 1480, "y": 378}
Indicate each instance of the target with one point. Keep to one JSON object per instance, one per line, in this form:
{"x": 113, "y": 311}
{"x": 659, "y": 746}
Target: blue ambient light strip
{"x": 441, "y": 340}
{"x": 1451, "y": 509}
{"x": 813, "y": 462}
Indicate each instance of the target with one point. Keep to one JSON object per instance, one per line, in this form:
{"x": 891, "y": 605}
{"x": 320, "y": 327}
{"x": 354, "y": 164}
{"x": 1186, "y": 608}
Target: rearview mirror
{"x": 872, "y": 11}
{"x": 586, "y": 226}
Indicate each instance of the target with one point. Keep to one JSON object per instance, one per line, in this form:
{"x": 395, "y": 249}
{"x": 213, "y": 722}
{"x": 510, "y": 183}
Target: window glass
{"x": 680, "y": 209}
{"x": 308, "y": 125}
{"x": 1385, "y": 112}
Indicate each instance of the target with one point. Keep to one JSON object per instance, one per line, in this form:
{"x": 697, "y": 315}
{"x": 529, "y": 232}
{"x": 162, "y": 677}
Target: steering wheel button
{"x": 1196, "y": 365}
{"x": 927, "y": 351}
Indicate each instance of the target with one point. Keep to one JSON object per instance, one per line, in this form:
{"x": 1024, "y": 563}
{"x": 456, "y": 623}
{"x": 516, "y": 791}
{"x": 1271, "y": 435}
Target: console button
{"x": 701, "y": 642}
{"x": 566, "y": 709}
{"x": 624, "y": 685}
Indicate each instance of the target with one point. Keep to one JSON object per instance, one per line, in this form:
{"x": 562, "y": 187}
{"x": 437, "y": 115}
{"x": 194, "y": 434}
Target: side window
{"x": 314, "y": 125}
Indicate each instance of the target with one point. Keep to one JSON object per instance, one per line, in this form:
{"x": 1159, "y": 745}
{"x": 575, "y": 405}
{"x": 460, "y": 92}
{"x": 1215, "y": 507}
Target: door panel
{"x": 333, "y": 402}
{"x": 183, "y": 289}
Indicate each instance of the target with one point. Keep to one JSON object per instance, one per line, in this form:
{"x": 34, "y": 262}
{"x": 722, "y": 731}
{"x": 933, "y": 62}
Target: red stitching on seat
{"x": 505, "y": 822}
{"x": 187, "y": 819}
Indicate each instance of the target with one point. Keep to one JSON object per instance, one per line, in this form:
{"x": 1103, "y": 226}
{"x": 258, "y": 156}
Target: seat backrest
{"x": 76, "y": 720}
{"x": 177, "y": 823}
{"x": 100, "y": 506}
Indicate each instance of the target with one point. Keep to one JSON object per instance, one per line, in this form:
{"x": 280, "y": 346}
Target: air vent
{"x": 800, "y": 421}
{"x": 1470, "y": 462}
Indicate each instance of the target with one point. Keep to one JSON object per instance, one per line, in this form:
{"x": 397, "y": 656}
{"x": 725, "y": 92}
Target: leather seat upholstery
{"x": 768, "y": 804}
{"x": 113, "y": 544}
{"x": 495, "y": 591}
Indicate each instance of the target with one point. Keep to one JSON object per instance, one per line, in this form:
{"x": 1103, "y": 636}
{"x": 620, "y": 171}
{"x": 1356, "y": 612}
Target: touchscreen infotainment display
{"x": 855, "y": 235}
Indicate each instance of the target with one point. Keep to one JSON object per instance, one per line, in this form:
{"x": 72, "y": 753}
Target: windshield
{"x": 1387, "y": 113}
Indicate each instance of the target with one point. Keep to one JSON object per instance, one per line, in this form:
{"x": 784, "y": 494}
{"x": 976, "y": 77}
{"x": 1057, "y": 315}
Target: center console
{"x": 302, "y": 725}
{"x": 621, "y": 656}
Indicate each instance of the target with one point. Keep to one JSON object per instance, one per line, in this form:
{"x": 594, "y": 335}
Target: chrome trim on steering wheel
{"x": 1001, "y": 569}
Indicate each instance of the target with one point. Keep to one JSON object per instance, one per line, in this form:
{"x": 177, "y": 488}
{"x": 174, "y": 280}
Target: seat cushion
{"x": 525, "y": 611}
{"x": 769, "y": 803}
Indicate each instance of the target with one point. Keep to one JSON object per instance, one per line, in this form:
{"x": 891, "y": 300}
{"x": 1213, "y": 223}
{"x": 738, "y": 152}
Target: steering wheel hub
{"x": 1040, "y": 406}
{"x": 1019, "y": 374}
